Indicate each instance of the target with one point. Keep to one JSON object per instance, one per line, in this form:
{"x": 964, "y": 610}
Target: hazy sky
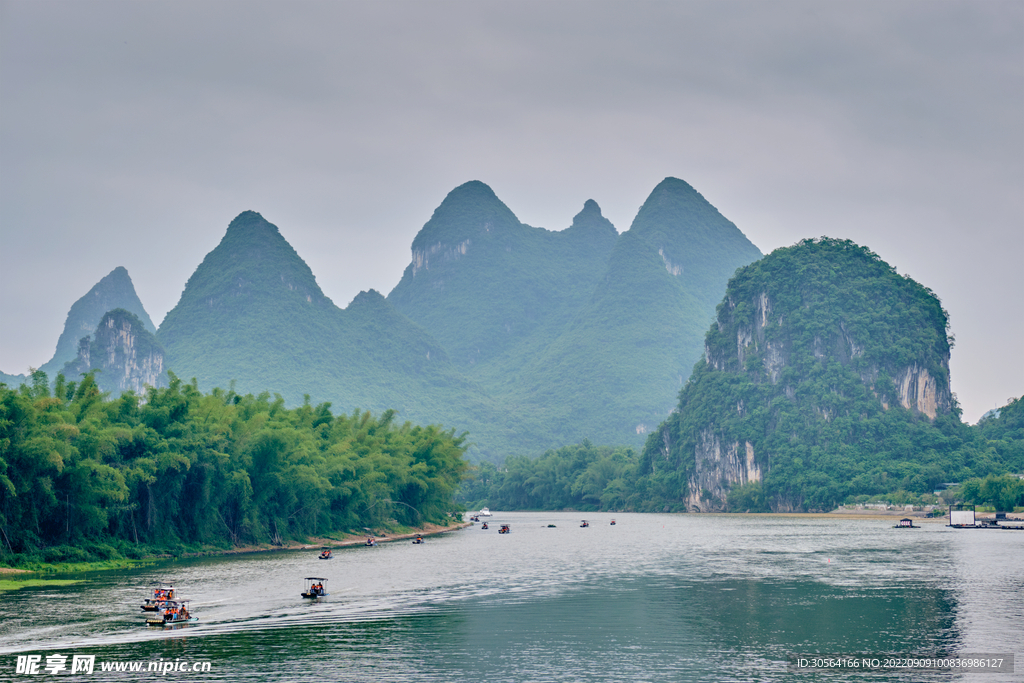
{"x": 131, "y": 133}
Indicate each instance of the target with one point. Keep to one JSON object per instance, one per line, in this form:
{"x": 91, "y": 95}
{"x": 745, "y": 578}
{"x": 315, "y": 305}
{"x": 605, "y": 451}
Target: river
{"x": 652, "y": 598}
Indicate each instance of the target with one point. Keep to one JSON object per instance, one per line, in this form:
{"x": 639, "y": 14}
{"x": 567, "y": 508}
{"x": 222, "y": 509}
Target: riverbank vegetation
{"x": 981, "y": 459}
{"x": 85, "y": 480}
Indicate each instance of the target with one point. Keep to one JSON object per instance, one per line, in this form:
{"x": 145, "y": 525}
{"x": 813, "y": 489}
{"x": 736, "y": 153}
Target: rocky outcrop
{"x": 127, "y": 356}
{"x": 718, "y": 467}
{"x": 917, "y": 390}
{"x": 113, "y": 291}
{"x": 672, "y": 268}
{"x": 421, "y": 258}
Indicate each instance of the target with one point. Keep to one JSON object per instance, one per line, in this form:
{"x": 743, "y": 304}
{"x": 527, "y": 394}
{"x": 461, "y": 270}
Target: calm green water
{"x": 654, "y": 598}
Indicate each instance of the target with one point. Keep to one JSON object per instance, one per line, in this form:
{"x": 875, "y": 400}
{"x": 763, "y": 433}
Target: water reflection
{"x": 654, "y": 598}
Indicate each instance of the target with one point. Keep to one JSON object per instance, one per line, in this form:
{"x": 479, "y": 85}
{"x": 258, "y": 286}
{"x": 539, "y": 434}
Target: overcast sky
{"x": 131, "y": 133}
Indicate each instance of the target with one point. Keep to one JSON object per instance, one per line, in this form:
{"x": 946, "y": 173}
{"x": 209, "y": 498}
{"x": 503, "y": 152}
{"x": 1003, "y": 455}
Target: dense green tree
{"x": 218, "y": 468}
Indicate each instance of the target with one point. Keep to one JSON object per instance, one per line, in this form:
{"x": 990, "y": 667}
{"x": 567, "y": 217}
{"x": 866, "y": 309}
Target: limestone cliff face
{"x": 438, "y": 252}
{"x": 126, "y": 354}
{"x": 918, "y": 390}
{"x": 914, "y": 387}
{"x": 719, "y": 467}
{"x": 809, "y": 345}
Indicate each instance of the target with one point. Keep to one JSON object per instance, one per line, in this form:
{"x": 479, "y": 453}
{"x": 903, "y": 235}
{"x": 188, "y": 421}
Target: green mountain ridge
{"x": 526, "y": 338}
{"x": 483, "y": 283}
{"x": 583, "y": 332}
{"x": 252, "y": 318}
{"x": 644, "y": 323}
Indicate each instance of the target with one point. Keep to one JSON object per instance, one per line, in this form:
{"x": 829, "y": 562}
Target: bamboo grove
{"x": 183, "y": 468}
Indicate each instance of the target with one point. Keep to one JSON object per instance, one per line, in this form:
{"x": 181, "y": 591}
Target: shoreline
{"x": 324, "y": 543}
{"x": 14, "y": 573}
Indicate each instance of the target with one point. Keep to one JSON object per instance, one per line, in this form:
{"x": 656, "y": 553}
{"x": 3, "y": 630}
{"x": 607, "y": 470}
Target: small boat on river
{"x": 484, "y": 512}
{"x": 172, "y": 613}
{"x": 484, "y": 526}
{"x": 326, "y": 554}
{"x": 371, "y": 541}
{"x": 315, "y": 588}
{"x": 418, "y": 540}
{"x": 505, "y": 529}
{"x": 161, "y": 595}
{"x": 613, "y": 523}
{"x": 906, "y": 523}
{"x": 584, "y": 524}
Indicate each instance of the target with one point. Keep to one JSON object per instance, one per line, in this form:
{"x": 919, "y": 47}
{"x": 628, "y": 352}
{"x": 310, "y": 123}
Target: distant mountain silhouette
{"x": 585, "y": 333}
{"x": 115, "y": 290}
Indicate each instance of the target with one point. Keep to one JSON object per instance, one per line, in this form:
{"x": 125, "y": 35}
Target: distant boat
{"x": 584, "y": 524}
{"x": 906, "y": 523}
{"x": 484, "y": 512}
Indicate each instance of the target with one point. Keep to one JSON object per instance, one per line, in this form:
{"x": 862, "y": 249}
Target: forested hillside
{"x": 587, "y": 477}
{"x": 825, "y": 377}
{"x": 218, "y": 468}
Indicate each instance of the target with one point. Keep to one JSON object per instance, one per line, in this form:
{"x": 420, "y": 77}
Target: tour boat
{"x": 173, "y": 612}
{"x": 161, "y": 595}
{"x": 315, "y": 588}
{"x": 484, "y": 512}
